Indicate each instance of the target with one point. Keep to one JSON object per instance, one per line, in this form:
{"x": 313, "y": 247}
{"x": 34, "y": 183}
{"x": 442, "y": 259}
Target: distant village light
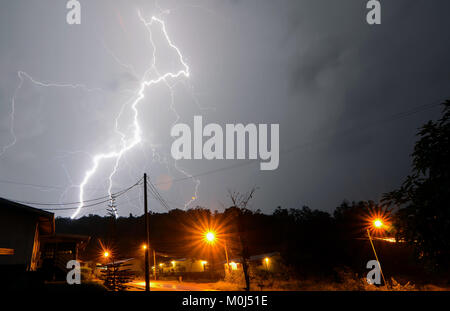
{"x": 203, "y": 262}
{"x": 266, "y": 260}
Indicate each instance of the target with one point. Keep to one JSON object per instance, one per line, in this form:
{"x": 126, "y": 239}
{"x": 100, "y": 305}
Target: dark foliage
{"x": 311, "y": 242}
{"x": 423, "y": 219}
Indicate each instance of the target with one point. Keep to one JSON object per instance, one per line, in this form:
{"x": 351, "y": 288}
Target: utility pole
{"x": 147, "y": 238}
{"x": 376, "y": 257}
{"x": 226, "y": 255}
{"x": 112, "y": 210}
{"x": 154, "y": 262}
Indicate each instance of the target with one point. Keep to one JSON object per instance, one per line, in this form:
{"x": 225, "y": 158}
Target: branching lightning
{"x": 129, "y": 143}
{"x": 130, "y": 140}
{"x": 22, "y": 75}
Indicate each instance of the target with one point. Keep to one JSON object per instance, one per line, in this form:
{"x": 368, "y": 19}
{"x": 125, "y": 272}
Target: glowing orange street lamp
{"x": 210, "y": 237}
{"x": 144, "y": 247}
{"x": 266, "y": 260}
{"x": 378, "y": 223}
{"x": 106, "y": 254}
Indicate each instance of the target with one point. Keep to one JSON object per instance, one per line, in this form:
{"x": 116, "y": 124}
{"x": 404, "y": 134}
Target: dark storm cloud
{"x": 374, "y": 72}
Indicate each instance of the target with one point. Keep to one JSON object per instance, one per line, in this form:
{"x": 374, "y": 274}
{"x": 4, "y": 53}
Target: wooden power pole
{"x": 147, "y": 238}
{"x": 154, "y": 263}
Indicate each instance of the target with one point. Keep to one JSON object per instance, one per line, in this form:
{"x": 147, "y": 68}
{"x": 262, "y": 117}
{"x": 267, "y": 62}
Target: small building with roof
{"x": 21, "y": 229}
{"x": 28, "y": 243}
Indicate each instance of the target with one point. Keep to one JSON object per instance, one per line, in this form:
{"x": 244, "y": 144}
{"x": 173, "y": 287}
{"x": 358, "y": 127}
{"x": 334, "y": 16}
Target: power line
{"x": 73, "y": 208}
{"x": 394, "y": 117}
{"x": 29, "y": 185}
{"x": 163, "y": 202}
{"x": 13, "y": 182}
{"x": 117, "y": 194}
{"x": 159, "y": 198}
{"x": 154, "y": 191}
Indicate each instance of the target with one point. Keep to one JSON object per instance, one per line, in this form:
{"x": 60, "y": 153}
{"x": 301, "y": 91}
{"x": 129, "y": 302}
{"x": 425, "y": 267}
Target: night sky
{"x": 349, "y": 97}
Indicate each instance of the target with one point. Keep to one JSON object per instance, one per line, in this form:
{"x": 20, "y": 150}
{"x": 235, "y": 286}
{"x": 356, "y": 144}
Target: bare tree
{"x": 240, "y": 205}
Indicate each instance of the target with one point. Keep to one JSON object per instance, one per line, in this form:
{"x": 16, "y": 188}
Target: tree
{"x": 423, "y": 218}
{"x": 240, "y": 211}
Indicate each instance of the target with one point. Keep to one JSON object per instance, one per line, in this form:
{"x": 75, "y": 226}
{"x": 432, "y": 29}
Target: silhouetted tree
{"x": 241, "y": 213}
{"x": 424, "y": 198}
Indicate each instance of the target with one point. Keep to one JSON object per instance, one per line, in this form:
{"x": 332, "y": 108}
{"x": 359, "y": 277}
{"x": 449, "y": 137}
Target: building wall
{"x": 273, "y": 264}
{"x": 18, "y": 232}
{"x": 187, "y": 265}
{"x": 193, "y": 266}
{"x": 35, "y": 254}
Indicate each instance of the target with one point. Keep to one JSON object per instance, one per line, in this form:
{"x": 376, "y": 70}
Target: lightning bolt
{"x": 128, "y": 143}
{"x": 22, "y": 75}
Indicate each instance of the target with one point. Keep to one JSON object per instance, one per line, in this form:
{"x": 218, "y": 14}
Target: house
{"x": 21, "y": 231}
{"x": 183, "y": 265}
{"x": 135, "y": 265}
{"x": 57, "y": 250}
{"x": 28, "y": 243}
{"x": 263, "y": 262}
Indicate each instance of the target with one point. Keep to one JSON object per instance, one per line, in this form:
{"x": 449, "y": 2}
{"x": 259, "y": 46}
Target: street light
{"x": 107, "y": 254}
{"x": 210, "y": 237}
{"x": 144, "y": 247}
{"x": 378, "y": 223}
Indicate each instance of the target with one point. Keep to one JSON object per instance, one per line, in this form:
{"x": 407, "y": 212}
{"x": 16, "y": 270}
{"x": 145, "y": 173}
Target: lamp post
{"x": 147, "y": 237}
{"x": 378, "y": 224}
{"x": 154, "y": 262}
{"x": 210, "y": 237}
{"x": 107, "y": 254}
{"x": 226, "y": 256}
